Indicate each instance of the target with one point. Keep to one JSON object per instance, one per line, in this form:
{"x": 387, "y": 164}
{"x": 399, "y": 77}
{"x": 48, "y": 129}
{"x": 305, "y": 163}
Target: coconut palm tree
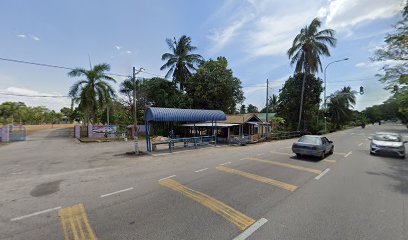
{"x": 307, "y": 47}
{"x": 92, "y": 92}
{"x": 180, "y": 62}
{"x": 340, "y": 106}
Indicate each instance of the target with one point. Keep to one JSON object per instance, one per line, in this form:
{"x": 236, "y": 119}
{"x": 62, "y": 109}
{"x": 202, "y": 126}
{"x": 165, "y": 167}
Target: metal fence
{"x": 285, "y": 135}
{"x": 17, "y": 133}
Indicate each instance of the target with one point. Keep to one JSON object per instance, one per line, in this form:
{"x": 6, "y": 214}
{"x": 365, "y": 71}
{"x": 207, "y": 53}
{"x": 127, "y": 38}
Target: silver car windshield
{"x": 387, "y": 137}
{"x": 310, "y": 140}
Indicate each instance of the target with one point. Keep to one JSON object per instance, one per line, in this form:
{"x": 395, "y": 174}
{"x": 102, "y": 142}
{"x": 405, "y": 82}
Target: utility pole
{"x": 267, "y": 107}
{"x": 135, "y": 133}
{"x": 324, "y": 96}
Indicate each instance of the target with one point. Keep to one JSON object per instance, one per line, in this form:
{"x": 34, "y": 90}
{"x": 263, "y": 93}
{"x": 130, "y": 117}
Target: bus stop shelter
{"x": 156, "y": 114}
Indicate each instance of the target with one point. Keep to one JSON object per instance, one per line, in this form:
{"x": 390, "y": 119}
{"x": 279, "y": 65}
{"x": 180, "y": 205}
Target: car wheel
{"x": 298, "y": 155}
{"x": 331, "y": 150}
{"x": 403, "y": 157}
{"x": 322, "y": 156}
{"x": 371, "y": 153}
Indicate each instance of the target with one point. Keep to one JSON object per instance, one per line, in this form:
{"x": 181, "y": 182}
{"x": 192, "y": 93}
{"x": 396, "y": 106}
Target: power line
{"x": 26, "y": 95}
{"x": 69, "y": 68}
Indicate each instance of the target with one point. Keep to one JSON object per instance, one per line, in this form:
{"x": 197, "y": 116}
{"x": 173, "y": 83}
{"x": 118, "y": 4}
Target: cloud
{"x": 266, "y": 28}
{"x": 52, "y": 103}
{"x": 378, "y": 64}
{"x": 274, "y": 84}
{"x": 342, "y": 14}
{"x": 128, "y": 52}
{"x": 21, "y": 36}
{"x": 35, "y": 38}
{"x": 118, "y": 47}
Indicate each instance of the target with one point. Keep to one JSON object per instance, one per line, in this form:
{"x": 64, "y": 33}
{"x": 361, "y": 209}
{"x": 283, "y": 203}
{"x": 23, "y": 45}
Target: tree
{"x": 215, "y": 87}
{"x": 252, "y": 109}
{"x": 340, "y": 107}
{"x": 180, "y": 62}
{"x": 94, "y": 92}
{"x": 242, "y": 110}
{"x": 289, "y": 97}
{"x": 272, "y": 104}
{"x": 394, "y": 55}
{"x": 307, "y": 47}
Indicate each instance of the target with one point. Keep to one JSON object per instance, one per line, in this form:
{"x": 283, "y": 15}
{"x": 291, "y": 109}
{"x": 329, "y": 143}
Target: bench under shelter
{"x": 177, "y": 117}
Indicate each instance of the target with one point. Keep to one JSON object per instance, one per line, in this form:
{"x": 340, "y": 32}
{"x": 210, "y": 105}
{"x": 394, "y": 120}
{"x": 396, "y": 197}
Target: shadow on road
{"x": 398, "y": 172}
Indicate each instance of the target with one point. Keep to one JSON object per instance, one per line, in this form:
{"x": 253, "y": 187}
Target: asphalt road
{"x": 59, "y": 189}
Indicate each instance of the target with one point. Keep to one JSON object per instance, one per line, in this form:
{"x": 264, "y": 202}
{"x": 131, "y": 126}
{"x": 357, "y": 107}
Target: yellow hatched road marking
{"x": 329, "y": 161}
{"x": 311, "y": 170}
{"x": 271, "y": 181}
{"x": 75, "y": 224}
{"x": 239, "y": 219}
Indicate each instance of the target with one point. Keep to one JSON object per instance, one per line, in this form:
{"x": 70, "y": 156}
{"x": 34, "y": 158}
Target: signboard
{"x": 111, "y": 129}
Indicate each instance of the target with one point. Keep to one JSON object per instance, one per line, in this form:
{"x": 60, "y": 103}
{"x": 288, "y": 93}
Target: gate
{"x": 17, "y": 133}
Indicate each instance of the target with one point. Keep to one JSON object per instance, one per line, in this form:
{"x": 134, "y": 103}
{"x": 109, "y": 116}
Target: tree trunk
{"x": 301, "y": 101}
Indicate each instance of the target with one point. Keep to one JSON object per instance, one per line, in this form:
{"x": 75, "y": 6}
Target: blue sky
{"x": 254, "y": 35}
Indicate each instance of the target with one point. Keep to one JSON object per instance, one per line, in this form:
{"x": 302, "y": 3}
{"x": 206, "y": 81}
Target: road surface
{"x": 59, "y": 189}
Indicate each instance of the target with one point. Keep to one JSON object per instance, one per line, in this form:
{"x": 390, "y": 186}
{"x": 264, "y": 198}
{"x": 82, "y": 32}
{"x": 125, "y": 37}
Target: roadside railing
{"x": 285, "y": 135}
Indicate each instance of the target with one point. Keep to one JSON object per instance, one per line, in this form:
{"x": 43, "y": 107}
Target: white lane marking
{"x": 260, "y": 154}
{"x": 285, "y": 147}
{"x": 167, "y": 177}
{"x": 248, "y": 232}
{"x": 351, "y": 133}
{"x": 200, "y": 170}
{"x": 360, "y": 144}
{"x": 35, "y": 214}
{"x": 120, "y": 191}
{"x": 348, "y": 154}
{"x": 222, "y": 164}
{"x": 242, "y": 159}
{"x": 322, "y": 174}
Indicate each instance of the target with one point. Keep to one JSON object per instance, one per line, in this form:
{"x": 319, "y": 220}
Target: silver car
{"x": 387, "y": 143}
{"x": 312, "y": 145}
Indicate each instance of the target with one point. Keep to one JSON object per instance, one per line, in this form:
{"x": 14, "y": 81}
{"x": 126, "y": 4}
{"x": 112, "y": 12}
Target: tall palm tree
{"x": 307, "y": 47}
{"x": 340, "y": 106}
{"x": 180, "y": 62}
{"x": 93, "y": 92}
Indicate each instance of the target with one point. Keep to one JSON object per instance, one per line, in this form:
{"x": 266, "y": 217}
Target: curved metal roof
{"x": 183, "y": 115}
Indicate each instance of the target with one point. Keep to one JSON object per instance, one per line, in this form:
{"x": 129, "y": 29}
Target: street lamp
{"x": 325, "y": 104}
{"x": 135, "y": 135}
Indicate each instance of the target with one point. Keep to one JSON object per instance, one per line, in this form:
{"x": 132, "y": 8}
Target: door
{"x": 326, "y": 145}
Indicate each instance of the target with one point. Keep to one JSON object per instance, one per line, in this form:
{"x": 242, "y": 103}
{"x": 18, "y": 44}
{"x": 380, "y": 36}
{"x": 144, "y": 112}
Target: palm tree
{"x": 340, "y": 106}
{"x": 307, "y": 47}
{"x": 180, "y": 61}
{"x": 93, "y": 92}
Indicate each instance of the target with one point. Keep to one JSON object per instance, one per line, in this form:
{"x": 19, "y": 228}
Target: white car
{"x": 387, "y": 143}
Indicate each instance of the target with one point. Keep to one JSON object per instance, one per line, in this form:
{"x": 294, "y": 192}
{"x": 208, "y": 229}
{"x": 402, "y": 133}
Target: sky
{"x": 254, "y": 35}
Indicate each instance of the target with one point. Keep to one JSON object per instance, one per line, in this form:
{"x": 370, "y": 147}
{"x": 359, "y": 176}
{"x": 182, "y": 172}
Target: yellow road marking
{"x": 286, "y": 165}
{"x": 271, "y": 181}
{"x": 239, "y": 219}
{"x": 75, "y": 224}
{"x": 329, "y": 161}
{"x": 340, "y": 153}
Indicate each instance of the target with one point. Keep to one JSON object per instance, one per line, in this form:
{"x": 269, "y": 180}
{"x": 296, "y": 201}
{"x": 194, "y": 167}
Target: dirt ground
{"x": 34, "y": 128}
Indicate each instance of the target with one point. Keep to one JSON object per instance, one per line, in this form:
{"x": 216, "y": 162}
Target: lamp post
{"x": 135, "y": 134}
{"x": 325, "y": 103}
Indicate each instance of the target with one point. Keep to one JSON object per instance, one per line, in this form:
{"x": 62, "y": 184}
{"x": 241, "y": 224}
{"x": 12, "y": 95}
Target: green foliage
{"x": 340, "y": 107}
{"x": 242, "y": 110}
{"x": 180, "y": 62}
{"x": 289, "y": 98}
{"x": 309, "y": 45}
{"x": 215, "y": 87}
{"x": 252, "y": 109}
{"x": 395, "y": 51}
{"x": 387, "y": 111}
{"x": 18, "y": 112}
{"x": 92, "y": 93}
{"x": 272, "y": 104}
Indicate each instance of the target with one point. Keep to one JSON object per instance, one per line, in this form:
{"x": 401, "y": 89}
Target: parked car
{"x": 387, "y": 143}
{"x": 312, "y": 145}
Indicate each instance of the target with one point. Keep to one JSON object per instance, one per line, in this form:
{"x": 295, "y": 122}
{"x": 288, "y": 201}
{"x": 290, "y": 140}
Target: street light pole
{"x": 135, "y": 133}
{"x": 324, "y": 99}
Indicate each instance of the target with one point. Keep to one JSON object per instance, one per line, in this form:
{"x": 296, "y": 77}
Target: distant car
{"x": 387, "y": 143}
{"x": 312, "y": 145}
